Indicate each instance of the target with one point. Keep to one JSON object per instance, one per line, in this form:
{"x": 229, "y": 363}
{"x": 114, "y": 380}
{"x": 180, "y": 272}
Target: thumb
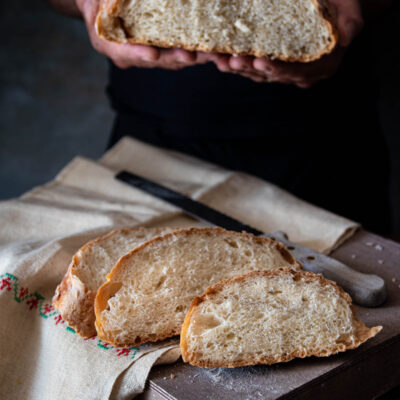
{"x": 350, "y": 20}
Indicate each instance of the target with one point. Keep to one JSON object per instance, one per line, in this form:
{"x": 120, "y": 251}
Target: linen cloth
{"x": 40, "y": 356}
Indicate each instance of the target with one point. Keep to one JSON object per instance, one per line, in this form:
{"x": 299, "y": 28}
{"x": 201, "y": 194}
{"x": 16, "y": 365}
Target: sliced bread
{"x": 149, "y": 291}
{"x": 270, "y": 317}
{"x": 288, "y": 30}
{"x": 75, "y": 295}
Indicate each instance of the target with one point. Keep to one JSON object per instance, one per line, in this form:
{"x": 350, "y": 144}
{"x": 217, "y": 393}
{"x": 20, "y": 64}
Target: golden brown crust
{"x": 362, "y": 332}
{"x": 75, "y": 303}
{"x": 73, "y": 299}
{"x": 109, "y": 26}
{"x": 106, "y": 290}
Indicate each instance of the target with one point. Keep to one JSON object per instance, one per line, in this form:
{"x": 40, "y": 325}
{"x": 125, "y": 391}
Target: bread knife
{"x": 367, "y": 290}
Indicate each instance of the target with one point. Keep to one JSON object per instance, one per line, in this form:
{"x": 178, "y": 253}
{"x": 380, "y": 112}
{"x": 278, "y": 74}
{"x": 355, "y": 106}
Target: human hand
{"x": 129, "y": 55}
{"x": 349, "y": 22}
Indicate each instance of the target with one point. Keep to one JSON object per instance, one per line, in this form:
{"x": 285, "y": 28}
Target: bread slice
{"x": 269, "y": 317}
{"x": 149, "y": 291}
{"x": 75, "y": 295}
{"x": 301, "y": 30}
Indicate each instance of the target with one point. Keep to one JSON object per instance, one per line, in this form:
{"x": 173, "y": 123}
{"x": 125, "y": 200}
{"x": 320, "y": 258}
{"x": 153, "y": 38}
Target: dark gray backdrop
{"x": 53, "y": 106}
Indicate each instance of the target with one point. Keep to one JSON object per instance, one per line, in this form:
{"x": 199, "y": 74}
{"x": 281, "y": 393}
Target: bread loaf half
{"x": 75, "y": 295}
{"x": 289, "y": 30}
{"x": 269, "y": 317}
{"x": 149, "y": 291}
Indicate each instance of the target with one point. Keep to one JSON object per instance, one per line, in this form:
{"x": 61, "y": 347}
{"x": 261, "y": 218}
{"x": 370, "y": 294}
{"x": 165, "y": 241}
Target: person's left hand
{"x": 349, "y": 23}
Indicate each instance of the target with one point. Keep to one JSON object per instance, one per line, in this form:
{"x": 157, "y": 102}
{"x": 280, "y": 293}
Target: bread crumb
{"x": 241, "y": 26}
{"x": 370, "y": 244}
{"x": 172, "y": 376}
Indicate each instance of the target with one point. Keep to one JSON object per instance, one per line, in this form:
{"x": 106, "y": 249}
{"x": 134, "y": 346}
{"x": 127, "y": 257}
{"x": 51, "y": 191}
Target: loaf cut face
{"x": 149, "y": 291}
{"x": 289, "y": 30}
{"x": 75, "y": 295}
{"x": 269, "y": 317}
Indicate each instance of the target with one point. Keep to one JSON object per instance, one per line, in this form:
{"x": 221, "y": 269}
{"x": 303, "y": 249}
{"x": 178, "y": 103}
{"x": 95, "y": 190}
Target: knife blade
{"x": 365, "y": 289}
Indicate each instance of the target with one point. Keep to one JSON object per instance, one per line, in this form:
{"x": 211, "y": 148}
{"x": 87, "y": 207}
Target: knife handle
{"x": 366, "y": 290}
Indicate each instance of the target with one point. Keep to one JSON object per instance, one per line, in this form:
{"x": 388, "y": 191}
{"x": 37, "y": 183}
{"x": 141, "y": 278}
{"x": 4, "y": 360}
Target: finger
{"x": 251, "y": 75}
{"x": 349, "y": 20}
{"x": 240, "y": 63}
{"x": 175, "y": 58}
{"x": 222, "y": 62}
{"x": 254, "y": 78}
{"x": 263, "y": 64}
{"x": 183, "y": 56}
{"x": 304, "y": 85}
{"x": 125, "y": 55}
{"x": 202, "y": 57}
{"x": 142, "y": 52}
{"x": 88, "y": 9}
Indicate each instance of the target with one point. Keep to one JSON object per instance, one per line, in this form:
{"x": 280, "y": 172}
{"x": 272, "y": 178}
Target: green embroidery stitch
{"x": 134, "y": 351}
{"x": 10, "y": 282}
{"x": 104, "y": 345}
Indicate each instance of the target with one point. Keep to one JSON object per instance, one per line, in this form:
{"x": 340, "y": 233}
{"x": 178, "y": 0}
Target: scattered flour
{"x": 249, "y": 382}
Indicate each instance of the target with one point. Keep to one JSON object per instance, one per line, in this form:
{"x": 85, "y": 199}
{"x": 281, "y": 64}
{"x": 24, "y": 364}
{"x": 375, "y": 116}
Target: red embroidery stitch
{"x": 23, "y": 292}
{"x": 58, "y": 319}
{"x": 5, "y": 283}
{"x": 123, "y": 352}
{"x": 48, "y": 308}
{"x": 33, "y": 302}
{"x": 90, "y": 338}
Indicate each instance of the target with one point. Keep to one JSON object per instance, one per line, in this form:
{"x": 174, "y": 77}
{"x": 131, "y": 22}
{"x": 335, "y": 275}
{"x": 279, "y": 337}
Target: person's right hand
{"x": 130, "y": 55}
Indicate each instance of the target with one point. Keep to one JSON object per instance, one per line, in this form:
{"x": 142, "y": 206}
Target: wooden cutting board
{"x": 364, "y": 373}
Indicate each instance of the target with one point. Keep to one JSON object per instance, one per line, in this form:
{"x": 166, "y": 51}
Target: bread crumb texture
{"x": 149, "y": 291}
{"x": 270, "y": 317}
{"x": 75, "y": 295}
{"x": 301, "y": 30}
{"x": 96, "y": 259}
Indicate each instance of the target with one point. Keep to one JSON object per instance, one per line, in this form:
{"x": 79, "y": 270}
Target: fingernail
{"x": 258, "y": 65}
{"x": 235, "y": 64}
{"x": 182, "y": 60}
{"x": 146, "y": 58}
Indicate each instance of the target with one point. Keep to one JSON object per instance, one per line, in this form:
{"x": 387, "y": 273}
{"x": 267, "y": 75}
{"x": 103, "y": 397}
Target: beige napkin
{"x": 40, "y": 357}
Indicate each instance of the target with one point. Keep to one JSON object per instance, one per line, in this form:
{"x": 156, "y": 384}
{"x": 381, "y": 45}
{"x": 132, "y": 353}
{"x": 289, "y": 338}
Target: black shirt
{"x": 322, "y": 144}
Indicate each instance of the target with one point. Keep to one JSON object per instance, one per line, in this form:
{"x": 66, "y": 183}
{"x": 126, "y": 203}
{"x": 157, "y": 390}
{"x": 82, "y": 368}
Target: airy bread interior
{"x": 75, "y": 295}
{"x": 150, "y": 290}
{"x": 269, "y": 317}
{"x": 285, "y": 29}
{"x": 96, "y": 259}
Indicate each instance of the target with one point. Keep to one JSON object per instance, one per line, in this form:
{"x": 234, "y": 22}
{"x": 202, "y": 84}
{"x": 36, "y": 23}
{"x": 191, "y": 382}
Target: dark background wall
{"x": 53, "y": 105}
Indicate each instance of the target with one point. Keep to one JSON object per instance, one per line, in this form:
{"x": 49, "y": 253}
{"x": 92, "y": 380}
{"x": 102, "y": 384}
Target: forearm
{"x": 67, "y": 7}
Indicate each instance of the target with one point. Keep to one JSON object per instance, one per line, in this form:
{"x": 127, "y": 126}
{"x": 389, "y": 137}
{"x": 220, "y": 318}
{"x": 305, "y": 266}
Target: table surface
{"x": 366, "y": 372}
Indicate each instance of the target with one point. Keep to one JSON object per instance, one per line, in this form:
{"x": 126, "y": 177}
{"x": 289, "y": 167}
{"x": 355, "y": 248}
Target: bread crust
{"x": 73, "y": 299}
{"x": 107, "y": 290}
{"x": 362, "y": 332}
{"x": 109, "y": 26}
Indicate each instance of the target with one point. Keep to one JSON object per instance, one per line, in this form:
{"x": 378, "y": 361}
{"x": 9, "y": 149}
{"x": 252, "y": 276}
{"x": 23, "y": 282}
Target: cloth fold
{"x": 40, "y": 356}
